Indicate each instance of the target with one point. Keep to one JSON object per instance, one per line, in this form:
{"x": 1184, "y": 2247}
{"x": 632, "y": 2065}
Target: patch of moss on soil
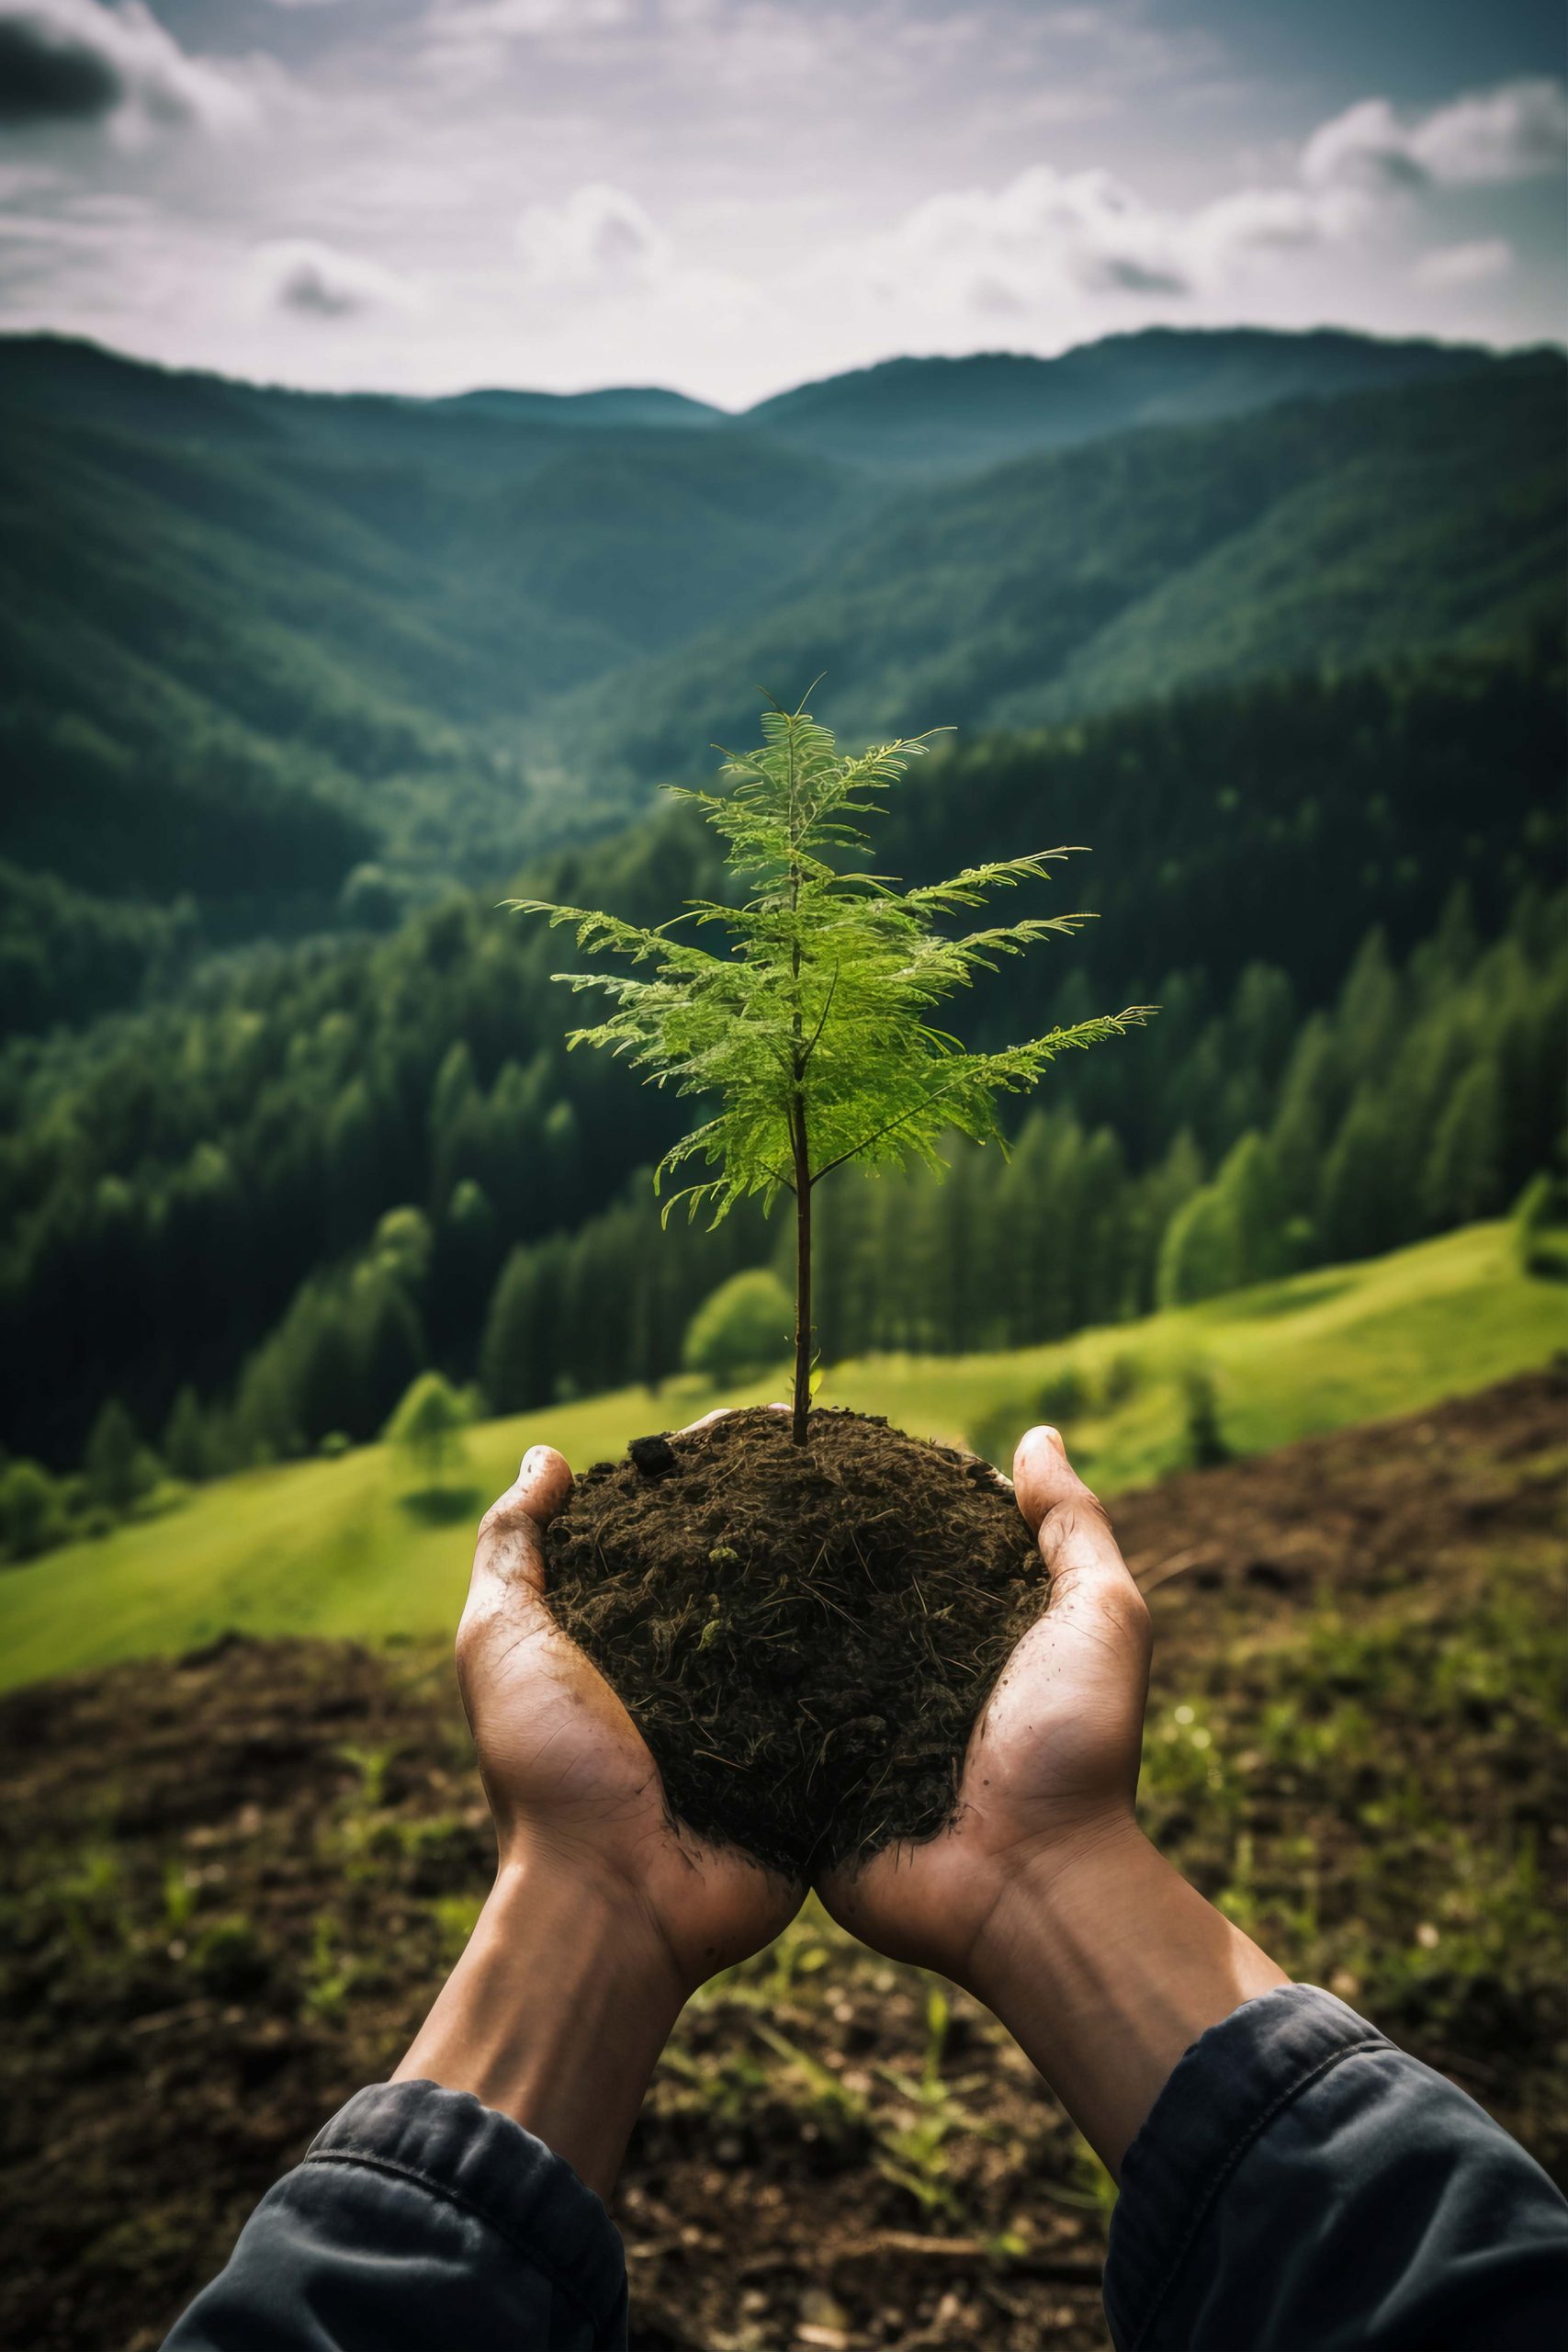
{"x": 803, "y": 1635}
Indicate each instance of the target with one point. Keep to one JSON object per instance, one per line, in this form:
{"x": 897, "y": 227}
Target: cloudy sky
{"x": 731, "y": 195}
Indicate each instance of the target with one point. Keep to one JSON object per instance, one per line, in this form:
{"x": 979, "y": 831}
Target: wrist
{"x": 1106, "y": 1965}
{"x": 1040, "y": 1891}
{"x": 557, "y": 2009}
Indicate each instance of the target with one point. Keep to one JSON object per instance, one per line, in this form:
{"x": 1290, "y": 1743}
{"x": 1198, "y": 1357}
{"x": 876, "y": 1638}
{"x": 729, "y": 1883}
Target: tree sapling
{"x": 812, "y": 1038}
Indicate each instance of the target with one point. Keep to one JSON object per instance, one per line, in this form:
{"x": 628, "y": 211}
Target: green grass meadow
{"x": 328, "y": 1547}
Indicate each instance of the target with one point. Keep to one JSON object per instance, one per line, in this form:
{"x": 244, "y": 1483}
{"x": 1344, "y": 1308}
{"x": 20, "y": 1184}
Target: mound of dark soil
{"x": 804, "y": 1635}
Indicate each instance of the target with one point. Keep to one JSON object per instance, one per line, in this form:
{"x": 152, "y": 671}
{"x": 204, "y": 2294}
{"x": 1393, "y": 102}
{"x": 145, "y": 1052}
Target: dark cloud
{"x": 317, "y": 281}
{"x": 1140, "y": 277}
{"x": 308, "y": 288}
{"x": 49, "y": 75}
{"x": 77, "y": 61}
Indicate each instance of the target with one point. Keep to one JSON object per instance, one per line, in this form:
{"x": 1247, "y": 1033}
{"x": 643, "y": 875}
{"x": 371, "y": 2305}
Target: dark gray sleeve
{"x": 420, "y": 2221}
{"x": 1303, "y": 2186}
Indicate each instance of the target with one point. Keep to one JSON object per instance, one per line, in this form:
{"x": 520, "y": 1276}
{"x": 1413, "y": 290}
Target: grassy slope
{"x": 325, "y": 1547}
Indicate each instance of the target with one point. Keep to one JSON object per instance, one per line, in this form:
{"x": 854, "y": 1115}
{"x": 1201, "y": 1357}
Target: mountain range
{"x": 254, "y": 641}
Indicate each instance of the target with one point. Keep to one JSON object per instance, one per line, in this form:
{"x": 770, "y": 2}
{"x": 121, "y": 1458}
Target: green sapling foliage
{"x": 811, "y": 1040}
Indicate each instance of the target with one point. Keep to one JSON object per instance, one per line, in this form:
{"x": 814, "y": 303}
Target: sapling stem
{"x": 803, "y": 1182}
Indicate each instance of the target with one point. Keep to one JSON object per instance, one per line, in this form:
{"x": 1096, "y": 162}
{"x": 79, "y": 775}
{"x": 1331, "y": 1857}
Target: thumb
{"x": 1088, "y": 1576}
{"x": 510, "y": 1549}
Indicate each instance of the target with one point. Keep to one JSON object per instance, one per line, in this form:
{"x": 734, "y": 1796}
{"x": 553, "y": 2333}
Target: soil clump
{"x": 804, "y": 1635}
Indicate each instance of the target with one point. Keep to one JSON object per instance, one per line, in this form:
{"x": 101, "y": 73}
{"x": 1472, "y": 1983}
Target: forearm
{"x": 1106, "y": 1965}
{"x": 554, "y": 2014}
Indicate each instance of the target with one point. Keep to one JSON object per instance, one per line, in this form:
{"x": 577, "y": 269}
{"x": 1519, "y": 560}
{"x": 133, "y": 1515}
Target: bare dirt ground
{"x": 230, "y": 1885}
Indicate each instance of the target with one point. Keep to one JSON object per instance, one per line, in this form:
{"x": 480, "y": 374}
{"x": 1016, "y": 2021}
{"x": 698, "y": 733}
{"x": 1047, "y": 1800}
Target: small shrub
{"x": 1204, "y": 1443}
{"x": 1062, "y": 1397}
{"x": 1121, "y": 1379}
{"x": 32, "y": 1515}
{"x": 1541, "y": 1241}
{"x": 741, "y": 1329}
{"x": 427, "y": 1430}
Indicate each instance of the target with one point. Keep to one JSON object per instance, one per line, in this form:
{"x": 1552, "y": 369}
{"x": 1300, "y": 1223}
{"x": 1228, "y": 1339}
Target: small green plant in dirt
{"x": 456, "y": 1917}
{"x": 327, "y": 1976}
{"x": 914, "y": 2141}
{"x": 812, "y": 1040}
{"x": 728, "y": 2084}
{"x": 837, "y": 2112}
{"x": 92, "y": 1897}
{"x": 229, "y": 1958}
{"x": 180, "y": 1887}
{"x": 372, "y": 1764}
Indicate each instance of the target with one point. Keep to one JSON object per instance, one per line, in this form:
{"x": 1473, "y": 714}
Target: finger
{"x": 509, "y": 1547}
{"x": 1071, "y": 1527}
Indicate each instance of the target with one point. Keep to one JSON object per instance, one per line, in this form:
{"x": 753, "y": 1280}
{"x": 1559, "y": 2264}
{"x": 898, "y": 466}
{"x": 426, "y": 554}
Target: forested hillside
{"x": 292, "y": 1187}
{"x": 274, "y": 662}
{"x": 1322, "y": 532}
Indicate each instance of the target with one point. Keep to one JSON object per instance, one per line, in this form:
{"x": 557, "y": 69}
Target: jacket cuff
{"x": 456, "y": 2148}
{"x": 1223, "y": 2094}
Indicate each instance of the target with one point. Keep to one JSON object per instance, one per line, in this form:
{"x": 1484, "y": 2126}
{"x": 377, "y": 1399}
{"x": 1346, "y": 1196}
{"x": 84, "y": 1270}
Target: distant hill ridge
{"x": 918, "y": 413}
{"x": 923, "y": 414}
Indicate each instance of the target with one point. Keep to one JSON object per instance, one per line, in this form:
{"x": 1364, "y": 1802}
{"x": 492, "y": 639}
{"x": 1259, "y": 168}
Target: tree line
{"x": 1427, "y": 1094}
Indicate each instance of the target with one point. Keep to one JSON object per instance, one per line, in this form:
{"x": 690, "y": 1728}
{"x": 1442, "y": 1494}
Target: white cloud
{"x": 71, "y": 62}
{"x": 1471, "y": 264}
{"x": 1049, "y": 237}
{"x": 1492, "y": 138}
{"x": 1083, "y": 245}
{"x": 315, "y": 281}
{"x": 598, "y": 241}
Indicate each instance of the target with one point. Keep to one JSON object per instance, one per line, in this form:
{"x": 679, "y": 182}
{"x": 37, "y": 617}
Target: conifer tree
{"x": 184, "y": 1439}
{"x": 116, "y": 1466}
{"x": 812, "y": 1039}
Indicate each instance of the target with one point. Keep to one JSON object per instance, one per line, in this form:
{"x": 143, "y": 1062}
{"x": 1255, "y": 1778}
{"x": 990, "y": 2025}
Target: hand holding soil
{"x": 569, "y": 1777}
{"x": 1051, "y": 1766}
{"x": 606, "y": 1912}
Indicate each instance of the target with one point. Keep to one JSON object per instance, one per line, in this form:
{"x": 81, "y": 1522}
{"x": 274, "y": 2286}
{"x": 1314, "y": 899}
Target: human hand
{"x": 569, "y": 1778}
{"x": 1043, "y": 1898}
{"x": 606, "y": 1913}
{"x": 1053, "y": 1763}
